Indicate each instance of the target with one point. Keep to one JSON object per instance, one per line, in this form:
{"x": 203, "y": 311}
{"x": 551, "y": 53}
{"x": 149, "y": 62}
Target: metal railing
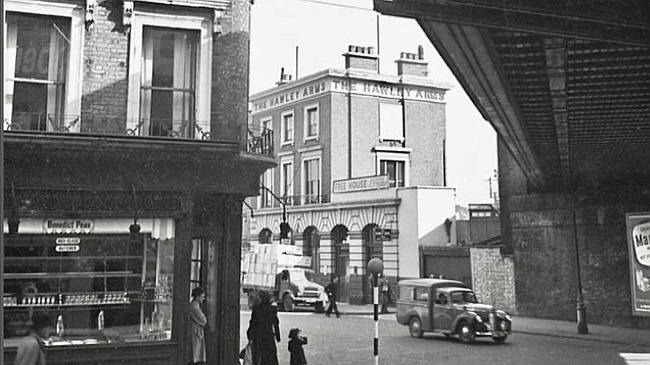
{"x": 215, "y": 130}
{"x": 259, "y": 141}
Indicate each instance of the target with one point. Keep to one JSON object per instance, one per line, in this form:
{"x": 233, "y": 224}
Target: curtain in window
{"x": 287, "y": 178}
{"x": 168, "y": 82}
{"x": 312, "y": 122}
{"x": 395, "y": 172}
{"x": 312, "y": 180}
{"x": 37, "y": 49}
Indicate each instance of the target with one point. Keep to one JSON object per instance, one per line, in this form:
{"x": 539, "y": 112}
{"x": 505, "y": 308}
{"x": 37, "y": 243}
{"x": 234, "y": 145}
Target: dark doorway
{"x": 341, "y": 259}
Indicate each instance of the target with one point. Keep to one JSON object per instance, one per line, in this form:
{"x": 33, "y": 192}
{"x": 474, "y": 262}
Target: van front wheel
{"x": 415, "y": 327}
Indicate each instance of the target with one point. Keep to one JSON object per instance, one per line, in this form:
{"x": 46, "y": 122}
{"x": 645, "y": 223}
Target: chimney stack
{"x": 284, "y": 78}
{"x": 363, "y": 58}
{"x": 412, "y": 64}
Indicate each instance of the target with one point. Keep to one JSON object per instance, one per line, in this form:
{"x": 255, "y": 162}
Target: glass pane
{"x": 162, "y": 109}
{"x": 41, "y": 44}
{"x": 99, "y": 289}
{"x": 169, "y": 81}
{"x": 30, "y": 106}
{"x": 39, "y": 41}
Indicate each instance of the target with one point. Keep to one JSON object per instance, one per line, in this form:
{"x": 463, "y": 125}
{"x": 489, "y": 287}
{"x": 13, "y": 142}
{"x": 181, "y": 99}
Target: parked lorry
{"x": 282, "y": 270}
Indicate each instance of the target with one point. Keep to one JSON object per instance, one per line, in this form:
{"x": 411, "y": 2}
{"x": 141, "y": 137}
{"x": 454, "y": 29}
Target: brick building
{"x": 126, "y": 163}
{"x": 360, "y": 168}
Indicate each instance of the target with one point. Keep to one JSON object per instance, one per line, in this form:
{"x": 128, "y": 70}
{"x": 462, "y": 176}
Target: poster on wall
{"x": 638, "y": 237}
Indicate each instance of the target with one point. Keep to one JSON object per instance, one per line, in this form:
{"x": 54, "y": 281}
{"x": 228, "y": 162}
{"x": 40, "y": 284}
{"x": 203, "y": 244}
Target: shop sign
{"x": 68, "y": 225}
{"x": 360, "y": 184}
{"x": 638, "y": 237}
{"x": 68, "y": 240}
{"x": 67, "y": 248}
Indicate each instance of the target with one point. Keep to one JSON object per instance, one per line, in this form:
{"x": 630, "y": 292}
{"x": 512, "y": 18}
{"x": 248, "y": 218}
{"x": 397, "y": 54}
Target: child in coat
{"x": 295, "y": 347}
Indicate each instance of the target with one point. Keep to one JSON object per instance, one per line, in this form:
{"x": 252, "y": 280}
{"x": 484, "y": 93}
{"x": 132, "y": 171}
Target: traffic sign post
{"x": 382, "y": 234}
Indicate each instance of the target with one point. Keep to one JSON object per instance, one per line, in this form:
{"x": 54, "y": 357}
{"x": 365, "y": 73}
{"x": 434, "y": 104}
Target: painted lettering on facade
{"x": 290, "y": 96}
{"x": 68, "y": 225}
{"x": 357, "y": 87}
{"x": 360, "y": 184}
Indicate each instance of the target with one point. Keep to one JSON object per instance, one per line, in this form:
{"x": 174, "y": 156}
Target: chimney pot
{"x": 420, "y": 52}
{"x": 371, "y": 50}
{"x": 350, "y": 48}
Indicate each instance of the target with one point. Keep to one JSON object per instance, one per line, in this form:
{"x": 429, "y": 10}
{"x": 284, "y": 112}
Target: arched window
{"x": 266, "y": 236}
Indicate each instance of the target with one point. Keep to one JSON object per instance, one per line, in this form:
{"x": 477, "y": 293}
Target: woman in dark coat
{"x": 264, "y": 330}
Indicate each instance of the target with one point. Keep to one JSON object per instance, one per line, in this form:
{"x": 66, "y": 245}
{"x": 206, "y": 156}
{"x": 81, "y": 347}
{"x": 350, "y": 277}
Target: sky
{"x": 322, "y": 31}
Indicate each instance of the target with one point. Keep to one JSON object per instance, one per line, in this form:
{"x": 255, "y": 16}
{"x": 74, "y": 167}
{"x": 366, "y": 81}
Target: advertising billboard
{"x": 638, "y": 237}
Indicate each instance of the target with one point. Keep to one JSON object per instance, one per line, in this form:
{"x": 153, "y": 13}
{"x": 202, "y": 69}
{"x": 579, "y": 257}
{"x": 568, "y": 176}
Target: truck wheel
{"x": 466, "y": 333}
{"x": 415, "y": 327}
{"x": 320, "y": 308}
{"x": 287, "y": 303}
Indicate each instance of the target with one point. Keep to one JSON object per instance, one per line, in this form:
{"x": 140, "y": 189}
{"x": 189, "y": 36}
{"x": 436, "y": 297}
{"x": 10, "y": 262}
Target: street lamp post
{"x": 581, "y": 310}
{"x": 375, "y": 267}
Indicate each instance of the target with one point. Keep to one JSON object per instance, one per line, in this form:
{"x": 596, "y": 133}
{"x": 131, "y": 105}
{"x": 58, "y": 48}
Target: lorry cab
{"x": 296, "y": 286}
{"x": 450, "y": 308}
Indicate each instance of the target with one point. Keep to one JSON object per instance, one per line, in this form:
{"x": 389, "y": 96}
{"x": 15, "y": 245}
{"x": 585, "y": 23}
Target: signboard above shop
{"x": 360, "y": 184}
{"x": 68, "y": 225}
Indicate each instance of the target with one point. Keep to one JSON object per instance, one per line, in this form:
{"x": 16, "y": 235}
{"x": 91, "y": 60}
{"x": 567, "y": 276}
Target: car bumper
{"x": 307, "y": 301}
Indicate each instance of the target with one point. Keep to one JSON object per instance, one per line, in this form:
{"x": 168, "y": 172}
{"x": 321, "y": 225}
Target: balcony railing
{"x": 250, "y": 141}
{"x": 267, "y": 200}
{"x": 259, "y": 141}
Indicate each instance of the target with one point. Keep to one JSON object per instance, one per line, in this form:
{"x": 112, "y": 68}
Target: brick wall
{"x": 365, "y": 134}
{"x": 425, "y": 132}
{"x": 105, "y": 69}
{"x": 230, "y": 59}
{"x": 545, "y": 261}
{"x": 493, "y": 277}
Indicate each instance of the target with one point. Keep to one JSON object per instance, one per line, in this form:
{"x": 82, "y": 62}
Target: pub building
{"x": 360, "y": 169}
{"x": 127, "y": 159}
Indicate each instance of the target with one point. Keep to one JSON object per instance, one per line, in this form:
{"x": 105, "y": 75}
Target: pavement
{"x": 533, "y": 326}
{"x": 544, "y": 327}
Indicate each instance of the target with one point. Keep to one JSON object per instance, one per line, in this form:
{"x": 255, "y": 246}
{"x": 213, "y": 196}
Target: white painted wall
{"x": 421, "y": 216}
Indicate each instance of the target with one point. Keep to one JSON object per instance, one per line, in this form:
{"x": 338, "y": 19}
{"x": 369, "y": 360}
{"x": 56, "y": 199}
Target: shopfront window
{"x": 89, "y": 288}
{"x": 37, "y": 50}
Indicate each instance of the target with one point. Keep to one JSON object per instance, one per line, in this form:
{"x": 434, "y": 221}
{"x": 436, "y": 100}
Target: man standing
{"x": 330, "y": 289}
{"x": 385, "y": 294}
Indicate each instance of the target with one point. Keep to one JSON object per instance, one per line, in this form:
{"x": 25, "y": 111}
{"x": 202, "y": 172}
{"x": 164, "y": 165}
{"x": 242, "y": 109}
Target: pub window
{"x": 395, "y": 171}
{"x": 311, "y": 122}
{"x": 287, "y": 128}
{"x": 168, "y": 85}
{"x": 287, "y": 182}
{"x": 266, "y": 186}
{"x": 311, "y": 175}
{"x": 37, "y": 50}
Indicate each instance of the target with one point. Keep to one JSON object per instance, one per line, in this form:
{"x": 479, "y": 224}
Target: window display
{"x": 88, "y": 288}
